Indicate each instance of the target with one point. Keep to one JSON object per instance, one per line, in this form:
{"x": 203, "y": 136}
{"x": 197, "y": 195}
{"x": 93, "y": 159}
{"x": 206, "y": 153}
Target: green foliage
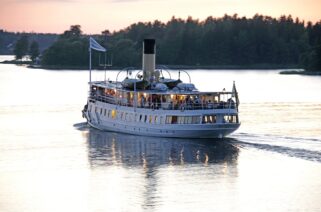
{"x": 21, "y": 47}
{"x": 311, "y": 59}
{"x": 226, "y": 41}
{"x": 230, "y": 40}
{"x": 9, "y": 39}
{"x": 34, "y": 51}
{"x": 125, "y": 53}
{"x": 71, "y": 49}
{"x": 73, "y": 33}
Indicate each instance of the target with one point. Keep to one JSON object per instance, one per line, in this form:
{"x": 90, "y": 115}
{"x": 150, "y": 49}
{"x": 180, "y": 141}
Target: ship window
{"x": 196, "y": 119}
{"x": 108, "y": 114}
{"x": 209, "y": 119}
{"x": 150, "y": 119}
{"x": 161, "y": 119}
{"x": 226, "y": 119}
{"x": 168, "y": 119}
{"x": 101, "y": 111}
{"x": 105, "y": 112}
{"x": 174, "y": 119}
{"x": 140, "y": 117}
{"x": 188, "y": 120}
{"x": 145, "y": 118}
{"x": 230, "y": 119}
{"x": 113, "y": 114}
{"x": 180, "y": 119}
{"x": 155, "y": 119}
{"x": 234, "y": 119}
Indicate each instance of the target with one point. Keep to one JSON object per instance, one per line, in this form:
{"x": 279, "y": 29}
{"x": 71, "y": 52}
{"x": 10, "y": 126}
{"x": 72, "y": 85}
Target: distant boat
{"x": 155, "y": 106}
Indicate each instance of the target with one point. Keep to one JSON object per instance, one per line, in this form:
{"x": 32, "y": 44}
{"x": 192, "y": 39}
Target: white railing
{"x": 165, "y": 105}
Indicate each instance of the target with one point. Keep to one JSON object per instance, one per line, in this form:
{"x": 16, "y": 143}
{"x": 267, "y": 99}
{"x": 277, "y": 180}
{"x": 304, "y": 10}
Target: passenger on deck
{"x": 231, "y": 103}
{"x": 142, "y": 101}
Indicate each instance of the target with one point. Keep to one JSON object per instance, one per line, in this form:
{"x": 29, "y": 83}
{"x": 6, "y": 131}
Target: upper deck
{"x": 171, "y": 99}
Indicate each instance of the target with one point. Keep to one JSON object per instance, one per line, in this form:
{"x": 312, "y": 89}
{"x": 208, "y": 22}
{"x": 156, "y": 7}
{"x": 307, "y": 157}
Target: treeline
{"x": 8, "y": 40}
{"x": 230, "y": 40}
{"x": 224, "y": 42}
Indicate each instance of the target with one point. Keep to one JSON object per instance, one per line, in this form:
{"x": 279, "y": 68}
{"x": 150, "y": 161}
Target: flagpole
{"x": 96, "y": 46}
{"x": 89, "y": 65}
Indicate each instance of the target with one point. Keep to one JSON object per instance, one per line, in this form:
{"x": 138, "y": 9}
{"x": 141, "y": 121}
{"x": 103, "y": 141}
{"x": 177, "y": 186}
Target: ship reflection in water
{"x": 109, "y": 148}
{"x": 159, "y": 174}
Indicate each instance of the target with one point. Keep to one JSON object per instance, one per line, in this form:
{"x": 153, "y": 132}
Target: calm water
{"x": 51, "y": 161}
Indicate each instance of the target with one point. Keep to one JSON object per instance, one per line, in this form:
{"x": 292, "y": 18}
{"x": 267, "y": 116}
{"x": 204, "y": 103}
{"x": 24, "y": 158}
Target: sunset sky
{"x": 96, "y": 15}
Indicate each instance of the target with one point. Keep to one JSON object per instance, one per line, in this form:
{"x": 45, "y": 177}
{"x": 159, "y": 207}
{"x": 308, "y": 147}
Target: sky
{"x": 94, "y": 16}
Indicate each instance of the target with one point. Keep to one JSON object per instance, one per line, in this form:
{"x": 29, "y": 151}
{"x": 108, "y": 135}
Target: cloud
{"x": 127, "y": 1}
{"x": 40, "y": 1}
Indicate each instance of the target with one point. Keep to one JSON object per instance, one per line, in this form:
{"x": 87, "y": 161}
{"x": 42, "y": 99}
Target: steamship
{"x": 152, "y": 105}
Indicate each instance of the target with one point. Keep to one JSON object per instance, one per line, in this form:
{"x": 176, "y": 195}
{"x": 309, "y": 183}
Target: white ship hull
{"x": 157, "y": 127}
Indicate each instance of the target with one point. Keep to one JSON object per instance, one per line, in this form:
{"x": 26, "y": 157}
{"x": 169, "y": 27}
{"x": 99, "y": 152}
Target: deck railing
{"x": 166, "y": 105}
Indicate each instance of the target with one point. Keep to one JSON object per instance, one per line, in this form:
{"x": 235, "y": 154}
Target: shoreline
{"x": 291, "y": 69}
{"x": 306, "y": 73}
{"x": 173, "y": 67}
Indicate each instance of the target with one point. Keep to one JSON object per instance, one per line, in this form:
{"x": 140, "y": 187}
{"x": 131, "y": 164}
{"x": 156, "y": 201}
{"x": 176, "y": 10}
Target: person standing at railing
{"x": 209, "y": 104}
{"x": 231, "y": 103}
{"x": 142, "y": 101}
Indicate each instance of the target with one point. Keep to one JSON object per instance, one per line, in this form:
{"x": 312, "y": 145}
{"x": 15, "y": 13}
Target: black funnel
{"x": 149, "y": 46}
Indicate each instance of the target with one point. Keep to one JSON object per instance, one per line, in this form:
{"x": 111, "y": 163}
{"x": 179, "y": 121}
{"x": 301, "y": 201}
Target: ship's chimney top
{"x": 149, "y": 46}
{"x": 149, "y": 59}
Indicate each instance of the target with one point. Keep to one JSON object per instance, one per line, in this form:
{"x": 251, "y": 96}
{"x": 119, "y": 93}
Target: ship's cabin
{"x": 112, "y": 93}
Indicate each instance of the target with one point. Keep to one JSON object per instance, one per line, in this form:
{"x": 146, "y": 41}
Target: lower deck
{"x": 164, "y": 123}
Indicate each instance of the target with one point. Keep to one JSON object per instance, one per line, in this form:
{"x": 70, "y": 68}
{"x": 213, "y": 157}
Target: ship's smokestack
{"x": 149, "y": 59}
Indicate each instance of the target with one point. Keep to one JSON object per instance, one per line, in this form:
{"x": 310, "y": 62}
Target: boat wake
{"x": 304, "y": 148}
{"x": 81, "y": 126}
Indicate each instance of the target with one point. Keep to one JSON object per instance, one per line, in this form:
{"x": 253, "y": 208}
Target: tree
{"x": 105, "y": 34}
{"x": 73, "y": 32}
{"x": 21, "y": 47}
{"x": 34, "y": 51}
{"x": 71, "y": 49}
{"x": 310, "y": 60}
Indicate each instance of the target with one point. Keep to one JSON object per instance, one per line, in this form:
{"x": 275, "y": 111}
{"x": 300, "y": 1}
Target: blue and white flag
{"x": 96, "y": 46}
